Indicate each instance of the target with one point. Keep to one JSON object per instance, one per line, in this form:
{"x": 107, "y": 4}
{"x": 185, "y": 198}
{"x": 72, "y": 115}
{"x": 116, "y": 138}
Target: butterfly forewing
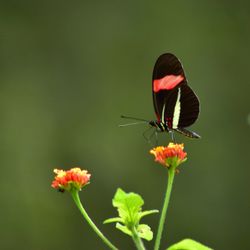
{"x": 167, "y": 64}
{"x": 174, "y": 101}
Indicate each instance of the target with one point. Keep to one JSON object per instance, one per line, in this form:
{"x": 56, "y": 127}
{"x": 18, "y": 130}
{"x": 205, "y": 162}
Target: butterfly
{"x": 175, "y": 103}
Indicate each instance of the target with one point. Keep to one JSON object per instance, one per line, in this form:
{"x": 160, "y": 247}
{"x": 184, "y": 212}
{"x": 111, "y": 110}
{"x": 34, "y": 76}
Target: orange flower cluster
{"x": 75, "y": 178}
{"x": 172, "y": 155}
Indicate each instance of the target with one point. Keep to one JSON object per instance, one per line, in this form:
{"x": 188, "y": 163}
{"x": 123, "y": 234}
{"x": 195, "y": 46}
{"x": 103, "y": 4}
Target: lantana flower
{"x": 172, "y": 155}
{"x": 75, "y": 178}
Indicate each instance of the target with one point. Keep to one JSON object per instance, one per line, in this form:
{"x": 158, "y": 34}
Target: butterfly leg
{"x": 155, "y": 134}
{"x": 148, "y": 137}
{"x": 145, "y": 134}
{"x": 172, "y": 136}
{"x": 156, "y": 138}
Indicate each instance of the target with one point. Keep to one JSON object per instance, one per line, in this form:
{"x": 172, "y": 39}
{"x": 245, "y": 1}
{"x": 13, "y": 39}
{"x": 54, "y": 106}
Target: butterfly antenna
{"x": 134, "y": 118}
{"x": 132, "y": 123}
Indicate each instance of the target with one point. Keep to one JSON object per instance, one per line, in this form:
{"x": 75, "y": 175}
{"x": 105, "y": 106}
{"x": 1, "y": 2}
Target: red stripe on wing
{"x": 166, "y": 83}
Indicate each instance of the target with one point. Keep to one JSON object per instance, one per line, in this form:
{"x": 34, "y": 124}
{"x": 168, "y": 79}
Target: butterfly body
{"x": 160, "y": 126}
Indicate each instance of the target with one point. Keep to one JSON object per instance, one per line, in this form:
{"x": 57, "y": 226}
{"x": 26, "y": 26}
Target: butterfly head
{"x": 160, "y": 126}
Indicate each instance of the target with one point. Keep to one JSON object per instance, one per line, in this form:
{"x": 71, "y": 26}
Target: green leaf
{"x": 148, "y": 212}
{"x": 124, "y": 229}
{"x": 188, "y": 244}
{"x": 144, "y": 231}
{"x": 129, "y": 206}
{"x": 111, "y": 220}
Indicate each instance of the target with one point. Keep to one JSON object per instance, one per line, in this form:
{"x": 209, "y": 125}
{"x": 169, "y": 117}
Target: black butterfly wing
{"x": 166, "y": 65}
{"x": 174, "y": 101}
{"x": 190, "y": 107}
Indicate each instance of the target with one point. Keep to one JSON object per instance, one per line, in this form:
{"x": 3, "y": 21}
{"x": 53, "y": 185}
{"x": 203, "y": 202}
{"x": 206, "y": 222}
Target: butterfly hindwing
{"x": 190, "y": 107}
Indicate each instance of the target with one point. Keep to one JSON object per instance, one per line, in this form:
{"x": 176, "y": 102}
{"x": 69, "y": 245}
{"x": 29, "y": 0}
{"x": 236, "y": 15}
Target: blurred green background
{"x": 70, "y": 69}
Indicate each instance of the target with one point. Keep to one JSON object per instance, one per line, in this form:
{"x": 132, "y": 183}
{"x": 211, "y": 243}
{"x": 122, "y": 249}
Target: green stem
{"x": 171, "y": 173}
{"x": 76, "y": 198}
{"x": 137, "y": 240}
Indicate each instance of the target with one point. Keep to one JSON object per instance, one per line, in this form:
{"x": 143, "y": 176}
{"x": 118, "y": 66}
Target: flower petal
{"x": 75, "y": 178}
{"x": 172, "y": 155}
